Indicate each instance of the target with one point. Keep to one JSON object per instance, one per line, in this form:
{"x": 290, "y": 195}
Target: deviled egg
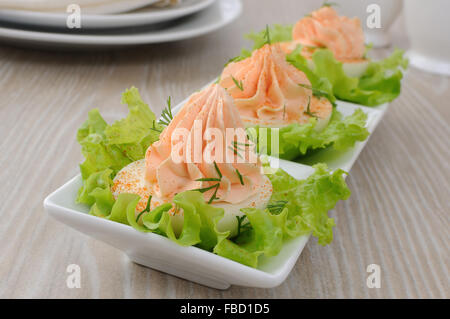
{"x": 343, "y": 36}
{"x": 170, "y": 168}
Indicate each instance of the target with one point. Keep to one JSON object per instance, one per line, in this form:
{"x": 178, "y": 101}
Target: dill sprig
{"x": 267, "y": 35}
{"x": 215, "y": 186}
{"x": 316, "y": 92}
{"x": 153, "y": 128}
{"x": 330, "y": 4}
{"x": 235, "y": 151}
{"x": 239, "y": 84}
{"x": 205, "y": 189}
{"x": 235, "y": 147}
{"x": 214, "y": 195}
{"x": 308, "y": 109}
{"x": 240, "y": 176}
{"x": 238, "y": 146}
{"x": 208, "y": 179}
{"x": 319, "y": 93}
{"x": 146, "y": 210}
{"x": 277, "y": 207}
{"x": 217, "y": 170}
{"x": 166, "y": 115}
{"x": 241, "y": 226}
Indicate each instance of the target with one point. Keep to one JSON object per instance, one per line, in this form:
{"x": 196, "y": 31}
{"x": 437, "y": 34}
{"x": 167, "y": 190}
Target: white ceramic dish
{"x": 144, "y": 16}
{"x": 192, "y": 263}
{"x": 213, "y": 18}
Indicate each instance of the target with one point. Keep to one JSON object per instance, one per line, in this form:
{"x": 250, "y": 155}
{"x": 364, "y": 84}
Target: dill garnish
{"x": 153, "y": 128}
{"x": 330, "y": 4}
{"x": 208, "y": 179}
{"x": 205, "y": 189}
{"x": 166, "y": 115}
{"x": 235, "y": 151}
{"x": 308, "y": 109}
{"x": 240, "y": 176}
{"x": 211, "y": 179}
{"x": 316, "y": 92}
{"x": 217, "y": 169}
{"x": 239, "y": 84}
{"x": 242, "y": 227}
{"x": 267, "y": 35}
{"x": 146, "y": 210}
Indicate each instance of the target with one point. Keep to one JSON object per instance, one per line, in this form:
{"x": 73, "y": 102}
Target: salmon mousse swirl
{"x": 268, "y": 91}
{"x": 324, "y": 28}
{"x": 205, "y": 148}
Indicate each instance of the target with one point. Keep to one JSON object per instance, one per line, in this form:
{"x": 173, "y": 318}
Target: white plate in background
{"x": 88, "y": 6}
{"x": 193, "y": 263}
{"x": 218, "y": 15}
{"x": 144, "y": 16}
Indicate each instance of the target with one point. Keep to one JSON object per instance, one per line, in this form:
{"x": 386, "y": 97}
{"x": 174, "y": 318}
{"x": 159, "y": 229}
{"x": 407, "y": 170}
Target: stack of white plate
{"x": 112, "y": 23}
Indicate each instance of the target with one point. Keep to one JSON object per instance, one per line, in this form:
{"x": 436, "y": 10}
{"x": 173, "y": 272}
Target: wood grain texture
{"x": 397, "y": 216}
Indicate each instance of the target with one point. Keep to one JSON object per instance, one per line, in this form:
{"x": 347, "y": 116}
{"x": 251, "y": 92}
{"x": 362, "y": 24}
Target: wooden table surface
{"x": 397, "y": 216}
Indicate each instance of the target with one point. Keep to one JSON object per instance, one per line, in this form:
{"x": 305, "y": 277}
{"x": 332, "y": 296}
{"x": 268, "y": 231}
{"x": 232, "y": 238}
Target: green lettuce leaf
{"x": 160, "y": 221}
{"x": 383, "y": 78}
{"x": 194, "y": 203}
{"x": 228, "y": 249}
{"x": 321, "y": 86}
{"x": 199, "y": 224}
{"x": 381, "y": 83}
{"x": 265, "y": 235}
{"x": 112, "y": 147}
{"x": 295, "y": 140}
{"x": 104, "y": 201}
{"x": 303, "y": 210}
{"x": 277, "y": 33}
{"x": 123, "y": 206}
{"x": 97, "y": 182}
{"x": 98, "y": 154}
{"x": 133, "y": 134}
{"x": 308, "y": 201}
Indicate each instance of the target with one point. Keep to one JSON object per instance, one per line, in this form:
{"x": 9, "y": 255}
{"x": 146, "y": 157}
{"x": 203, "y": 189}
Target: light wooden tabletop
{"x": 397, "y": 216}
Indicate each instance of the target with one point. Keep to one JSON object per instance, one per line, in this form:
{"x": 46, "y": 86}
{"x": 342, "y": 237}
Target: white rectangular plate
{"x": 192, "y": 263}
